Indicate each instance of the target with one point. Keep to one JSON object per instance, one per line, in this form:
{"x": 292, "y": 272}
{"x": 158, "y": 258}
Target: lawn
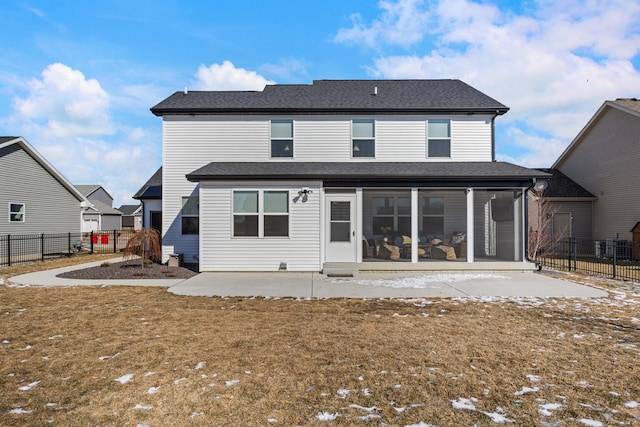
{"x": 114, "y": 356}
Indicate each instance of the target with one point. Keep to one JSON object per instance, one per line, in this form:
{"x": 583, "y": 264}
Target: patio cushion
{"x": 443, "y": 252}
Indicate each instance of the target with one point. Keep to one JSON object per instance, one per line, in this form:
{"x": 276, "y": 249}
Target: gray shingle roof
{"x": 365, "y": 171}
{"x": 128, "y": 209}
{"x": 561, "y": 185}
{"x": 630, "y": 103}
{"x": 7, "y": 138}
{"x": 384, "y": 96}
{"x": 152, "y": 189}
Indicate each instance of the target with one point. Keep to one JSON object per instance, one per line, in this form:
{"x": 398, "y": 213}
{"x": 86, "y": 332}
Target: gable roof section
{"x": 89, "y": 189}
{"x": 103, "y": 209}
{"x": 6, "y": 141}
{"x": 630, "y": 106}
{"x": 338, "y": 96}
{"x": 152, "y": 189}
{"x": 129, "y": 210}
{"x": 562, "y": 187}
{"x": 380, "y": 172}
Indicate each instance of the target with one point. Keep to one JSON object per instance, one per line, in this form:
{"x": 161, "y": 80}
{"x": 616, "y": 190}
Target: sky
{"x": 77, "y": 79}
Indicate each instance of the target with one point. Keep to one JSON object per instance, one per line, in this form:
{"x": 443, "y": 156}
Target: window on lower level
{"x": 439, "y": 138}
{"x": 260, "y": 213}
{"x": 16, "y": 212}
{"x": 191, "y": 215}
{"x": 433, "y": 216}
{"x": 391, "y": 215}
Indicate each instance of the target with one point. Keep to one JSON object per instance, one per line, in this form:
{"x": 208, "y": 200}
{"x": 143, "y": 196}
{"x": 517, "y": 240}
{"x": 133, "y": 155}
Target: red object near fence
{"x": 95, "y": 239}
{"x": 104, "y": 239}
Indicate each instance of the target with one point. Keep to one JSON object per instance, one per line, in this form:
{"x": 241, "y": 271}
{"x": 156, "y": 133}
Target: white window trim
{"x": 261, "y": 214}
{"x": 293, "y": 144}
{"x": 24, "y": 212}
{"x": 183, "y": 215}
{"x": 429, "y": 138}
{"x": 353, "y": 138}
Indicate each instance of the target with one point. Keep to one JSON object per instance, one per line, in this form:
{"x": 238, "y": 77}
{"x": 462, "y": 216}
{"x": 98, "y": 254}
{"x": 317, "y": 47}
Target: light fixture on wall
{"x": 304, "y": 194}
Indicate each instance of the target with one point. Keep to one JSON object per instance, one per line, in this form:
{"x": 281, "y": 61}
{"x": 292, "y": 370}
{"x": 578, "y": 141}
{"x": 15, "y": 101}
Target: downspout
{"x": 493, "y": 138}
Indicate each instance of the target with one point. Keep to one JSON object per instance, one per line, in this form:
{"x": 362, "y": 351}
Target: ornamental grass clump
{"x": 144, "y": 243}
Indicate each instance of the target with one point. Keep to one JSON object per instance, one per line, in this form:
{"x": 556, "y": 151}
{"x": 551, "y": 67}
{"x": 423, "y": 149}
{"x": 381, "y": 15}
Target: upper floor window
{"x": 191, "y": 215}
{"x": 281, "y": 138}
{"x": 363, "y": 134}
{"x": 439, "y": 138}
{"x": 260, "y": 213}
{"x": 16, "y": 212}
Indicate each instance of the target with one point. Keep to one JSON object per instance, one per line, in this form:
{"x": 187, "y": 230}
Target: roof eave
{"x": 160, "y": 112}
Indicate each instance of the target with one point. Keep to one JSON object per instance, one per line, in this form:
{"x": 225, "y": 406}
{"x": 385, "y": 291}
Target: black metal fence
{"x": 617, "y": 259}
{"x": 21, "y": 248}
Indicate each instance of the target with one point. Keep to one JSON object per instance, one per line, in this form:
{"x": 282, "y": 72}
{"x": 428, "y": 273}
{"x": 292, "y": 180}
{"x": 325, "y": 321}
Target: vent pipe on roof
{"x": 185, "y": 90}
{"x": 375, "y": 91}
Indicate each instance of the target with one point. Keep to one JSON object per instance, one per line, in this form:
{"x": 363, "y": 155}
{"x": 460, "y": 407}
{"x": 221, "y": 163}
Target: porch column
{"x": 358, "y": 225}
{"x": 414, "y": 225}
{"x": 470, "y": 221}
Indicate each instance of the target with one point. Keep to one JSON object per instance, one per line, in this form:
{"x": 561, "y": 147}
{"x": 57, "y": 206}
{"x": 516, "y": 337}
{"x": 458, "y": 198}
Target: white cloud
{"x": 64, "y": 103}
{"x": 553, "y": 67}
{"x": 403, "y": 22}
{"x": 226, "y": 76}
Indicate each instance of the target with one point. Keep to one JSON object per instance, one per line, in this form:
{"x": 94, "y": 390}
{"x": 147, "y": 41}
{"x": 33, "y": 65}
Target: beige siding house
{"x": 604, "y": 159}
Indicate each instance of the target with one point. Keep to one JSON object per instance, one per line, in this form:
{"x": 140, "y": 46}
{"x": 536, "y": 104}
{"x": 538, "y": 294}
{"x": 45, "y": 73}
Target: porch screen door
{"x": 340, "y": 229}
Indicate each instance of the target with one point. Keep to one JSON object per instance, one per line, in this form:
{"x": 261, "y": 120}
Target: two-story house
{"x": 297, "y": 176}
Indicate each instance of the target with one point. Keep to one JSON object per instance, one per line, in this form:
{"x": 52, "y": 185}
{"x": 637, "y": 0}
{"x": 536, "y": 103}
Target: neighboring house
{"x": 296, "y": 176}
{"x": 565, "y": 210}
{"x": 34, "y": 196}
{"x": 131, "y": 216}
{"x": 101, "y": 215}
{"x": 150, "y": 197}
{"x": 604, "y": 158}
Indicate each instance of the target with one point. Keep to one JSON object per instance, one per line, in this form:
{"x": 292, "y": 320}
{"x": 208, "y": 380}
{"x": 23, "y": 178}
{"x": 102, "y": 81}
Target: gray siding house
{"x": 339, "y": 172}
{"x": 100, "y": 215}
{"x": 604, "y": 159}
{"x": 34, "y": 196}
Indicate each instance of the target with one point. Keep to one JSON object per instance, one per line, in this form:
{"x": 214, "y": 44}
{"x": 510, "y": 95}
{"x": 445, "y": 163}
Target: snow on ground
{"x": 428, "y": 281}
{"x": 124, "y": 379}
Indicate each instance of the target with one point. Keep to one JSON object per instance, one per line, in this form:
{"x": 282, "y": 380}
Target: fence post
{"x": 91, "y": 240}
{"x": 574, "y": 242}
{"x": 115, "y": 241}
{"x": 568, "y": 243}
{"x": 69, "y": 244}
{"x": 615, "y": 257}
{"x": 9, "y": 249}
{"x": 41, "y": 246}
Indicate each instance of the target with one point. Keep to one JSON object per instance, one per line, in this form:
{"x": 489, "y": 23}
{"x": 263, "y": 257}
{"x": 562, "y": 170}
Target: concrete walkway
{"x": 383, "y": 285}
{"x": 363, "y": 285}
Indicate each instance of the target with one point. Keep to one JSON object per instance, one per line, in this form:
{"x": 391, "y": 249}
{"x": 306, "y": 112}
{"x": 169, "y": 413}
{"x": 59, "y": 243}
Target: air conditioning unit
{"x": 609, "y": 248}
{"x": 598, "y": 249}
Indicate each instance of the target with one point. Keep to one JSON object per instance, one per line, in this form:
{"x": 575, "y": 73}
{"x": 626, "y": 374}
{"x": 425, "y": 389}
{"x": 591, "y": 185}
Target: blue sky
{"x": 77, "y": 78}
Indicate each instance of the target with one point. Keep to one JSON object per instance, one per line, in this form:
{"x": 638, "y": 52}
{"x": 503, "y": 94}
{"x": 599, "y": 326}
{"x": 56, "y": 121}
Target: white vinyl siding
{"x": 190, "y": 143}
{"x": 220, "y": 251}
{"x": 400, "y": 140}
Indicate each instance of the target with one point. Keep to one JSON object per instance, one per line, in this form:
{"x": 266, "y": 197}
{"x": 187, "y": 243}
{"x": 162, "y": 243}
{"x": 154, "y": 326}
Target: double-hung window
{"x": 439, "y": 138}
{"x": 363, "y": 135}
{"x": 391, "y": 215}
{"x": 16, "y": 212}
{"x": 281, "y": 138}
{"x": 433, "y": 216}
{"x": 191, "y": 215}
{"x": 260, "y": 213}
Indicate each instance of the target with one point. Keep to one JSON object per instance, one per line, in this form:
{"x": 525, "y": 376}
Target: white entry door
{"x": 340, "y": 228}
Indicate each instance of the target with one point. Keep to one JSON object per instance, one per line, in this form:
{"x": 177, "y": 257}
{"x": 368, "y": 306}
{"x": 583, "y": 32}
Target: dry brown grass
{"x": 250, "y": 362}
